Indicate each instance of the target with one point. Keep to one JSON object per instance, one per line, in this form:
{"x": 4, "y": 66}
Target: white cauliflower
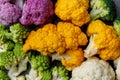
{"x": 93, "y": 69}
{"x": 117, "y": 66}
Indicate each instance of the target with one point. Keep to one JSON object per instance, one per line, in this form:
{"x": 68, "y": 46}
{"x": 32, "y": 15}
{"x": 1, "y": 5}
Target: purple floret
{"x": 4, "y": 1}
{"x": 37, "y": 12}
{"x": 9, "y": 13}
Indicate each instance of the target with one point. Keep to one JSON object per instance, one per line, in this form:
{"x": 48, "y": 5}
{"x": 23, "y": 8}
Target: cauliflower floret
{"x": 73, "y": 35}
{"x": 52, "y": 38}
{"x": 93, "y": 69}
{"x": 104, "y": 41}
{"x": 4, "y": 1}
{"x": 117, "y": 68}
{"x": 9, "y": 13}
{"x": 70, "y": 59}
{"x": 37, "y": 12}
{"x": 73, "y": 10}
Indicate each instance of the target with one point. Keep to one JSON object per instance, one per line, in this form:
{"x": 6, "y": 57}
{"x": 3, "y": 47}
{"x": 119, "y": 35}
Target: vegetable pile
{"x": 59, "y": 40}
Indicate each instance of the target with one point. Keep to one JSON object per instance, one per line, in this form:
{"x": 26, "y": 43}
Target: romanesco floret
{"x": 104, "y": 9}
{"x": 40, "y": 68}
{"x": 7, "y": 59}
{"x": 18, "y": 33}
{"x": 116, "y": 25}
{"x": 6, "y": 46}
{"x": 60, "y": 73}
{"x": 3, "y": 75}
{"x": 40, "y": 62}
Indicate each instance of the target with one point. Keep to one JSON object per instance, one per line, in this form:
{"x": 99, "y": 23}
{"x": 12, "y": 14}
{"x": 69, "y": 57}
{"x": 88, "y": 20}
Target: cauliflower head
{"x": 104, "y": 41}
{"x": 52, "y": 38}
{"x": 73, "y": 10}
{"x": 9, "y": 13}
{"x": 70, "y": 59}
{"x": 45, "y": 40}
{"x": 117, "y": 68}
{"x": 37, "y": 12}
{"x": 93, "y": 69}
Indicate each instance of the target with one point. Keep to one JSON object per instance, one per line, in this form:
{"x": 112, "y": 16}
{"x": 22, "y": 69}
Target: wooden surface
{"x": 117, "y": 2}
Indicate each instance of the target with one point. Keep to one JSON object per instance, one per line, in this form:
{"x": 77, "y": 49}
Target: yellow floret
{"x": 52, "y": 38}
{"x": 73, "y": 10}
{"x": 45, "y": 40}
{"x": 72, "y": 59}
{"x": 73, "y": 35}
{"x": 104, "y": 40}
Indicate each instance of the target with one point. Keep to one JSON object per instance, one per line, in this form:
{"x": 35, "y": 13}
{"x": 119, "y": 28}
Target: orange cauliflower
{"x": 73, "y": 35}
{"x": 73, "y": 10}
{"x": 49, "y": 39}
{"x": 70, "y": 59}
{"x": 103, "y": 41}
{"x": 45, "y": 40}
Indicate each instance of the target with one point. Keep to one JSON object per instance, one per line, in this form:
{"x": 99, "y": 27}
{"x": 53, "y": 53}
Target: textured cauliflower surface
{"x": 73, "y": 10}
{"x": 105, "y": 41}
{"x": 72, "y": 58}
{"x": 45, "y": 40}
{"x": 93, "y": 69}
{"x": 4, "y": 1}
{"x": 117, "y": 68}
{"x": 51, "y": 39}
{"x": 73, "y": 35}
{"x": 9, "y": 13}
{"x": 37, "y": 12}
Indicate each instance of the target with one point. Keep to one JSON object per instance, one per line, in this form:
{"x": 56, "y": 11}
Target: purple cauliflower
{"x": 37, "y": 12}
{"x": 19, "y": 3}
{"x": 9, "y": 13}
{"x": 4, "y": 1}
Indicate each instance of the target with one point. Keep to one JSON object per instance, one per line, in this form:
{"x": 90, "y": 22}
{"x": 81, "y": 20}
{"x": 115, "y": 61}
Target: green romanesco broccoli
{"x": 116, "y": 25}
{"x": 6, "y": 46}
{"x": 40, "y": 62}
{"x": 60, "y": 73}
{"x": 104, "y": 9}
{"x": 17, "y": 33}
{"x": 3, "y": 74}
{"x": 40, "y": 67}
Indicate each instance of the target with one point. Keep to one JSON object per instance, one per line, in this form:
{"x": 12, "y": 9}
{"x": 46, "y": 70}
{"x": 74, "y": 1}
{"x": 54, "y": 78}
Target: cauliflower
{"x": 117, "y": 68}
{"x": 73, "y": 35}
{"x": 19, "y": 3}
{"x": 93, "y": 69}
{"x": 73, "y": 10}
{"x": 9, "y": 13}
{"x": 55, "y": 39}
{"x": 70, "y": 59}
{"x": 4, "y": 1}
{"x": 37, "y": 12}
{"x": 45, "y": 40}
{"x": 103, "y": 41}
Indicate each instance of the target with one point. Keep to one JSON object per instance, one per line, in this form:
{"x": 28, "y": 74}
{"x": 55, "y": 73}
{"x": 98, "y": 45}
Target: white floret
{"x": 117, "y": 66}
{"x": 33, "y": 75}
{"x": 93, "y": 69}
{"x": 91, "y": 48}
{"x": 15, "y": 71}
